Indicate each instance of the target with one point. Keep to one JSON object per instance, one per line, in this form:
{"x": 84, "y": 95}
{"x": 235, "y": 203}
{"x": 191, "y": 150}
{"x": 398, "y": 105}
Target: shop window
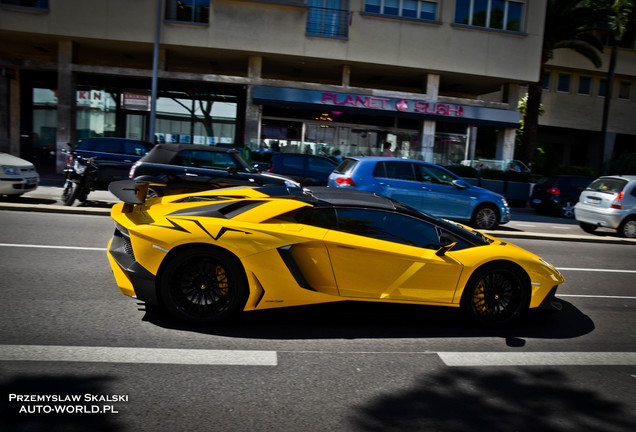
{"x": 563, "y": 83}
{"x": 585, "y": 86}
{"x": 426, "y": 10}
{"x": 32, "y": 4}
{"x": 625, "y": 90}
{"x": 190, "y": 11}
{"x": 328, "y": 18}
{"x": 493, "y": 14}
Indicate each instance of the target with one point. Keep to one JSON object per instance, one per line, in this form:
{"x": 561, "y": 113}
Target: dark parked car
{"x": 308, "y": 170}
{"x": 114, "y": 157}
{"x": 181, "y": 168}
{"x": 558, "y": 194}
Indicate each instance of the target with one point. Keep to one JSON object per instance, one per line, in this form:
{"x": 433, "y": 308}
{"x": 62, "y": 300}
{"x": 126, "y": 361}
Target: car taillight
{"x": 618, "y": 201}
{"x": 554, "y": 191}
{"x": 270, "y": 169}
{"x": 345, "y": 181}
{"x": 131, "y": 173}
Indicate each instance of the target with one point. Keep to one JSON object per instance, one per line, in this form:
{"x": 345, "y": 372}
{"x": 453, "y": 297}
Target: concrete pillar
{"x": 427, "y": 136}
{"x": 252, "y": 111}
{"x": 66, "y": 103}
{"x": 346, "y": 75}
{"x": 506, "y": 144}
{"x": 472, "y": 142}
{"x": 4, "y": 111}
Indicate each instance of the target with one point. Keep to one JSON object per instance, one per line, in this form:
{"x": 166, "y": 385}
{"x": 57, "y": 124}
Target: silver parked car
{"x": 17, "y": 175}
{"x": 609, "y": 202}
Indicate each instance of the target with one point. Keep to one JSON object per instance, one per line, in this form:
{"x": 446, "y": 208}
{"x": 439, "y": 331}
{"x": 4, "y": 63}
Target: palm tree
{"x": 618, "y": 14}
{"x": 568, "y": 24}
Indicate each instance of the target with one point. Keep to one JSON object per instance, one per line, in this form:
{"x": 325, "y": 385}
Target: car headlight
{"x": 9, "y": 170}
{"x": 79, "y": 168}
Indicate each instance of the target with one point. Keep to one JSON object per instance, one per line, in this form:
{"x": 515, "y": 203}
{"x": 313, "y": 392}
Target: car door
{"x": 397, "y": 180}
{"x": 441, "y": 197}
{"x": 385, "y": 255}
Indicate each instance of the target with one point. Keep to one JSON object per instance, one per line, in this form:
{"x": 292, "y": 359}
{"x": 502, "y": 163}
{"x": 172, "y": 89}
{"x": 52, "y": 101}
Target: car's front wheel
{"x": 628, "y": 228}
{"x": 203, "y": 285}
{"x": 496, "y": 295}
{"x": 485, "y": 217}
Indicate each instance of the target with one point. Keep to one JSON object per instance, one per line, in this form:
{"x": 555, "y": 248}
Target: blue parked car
{"x": 424, "y": 186}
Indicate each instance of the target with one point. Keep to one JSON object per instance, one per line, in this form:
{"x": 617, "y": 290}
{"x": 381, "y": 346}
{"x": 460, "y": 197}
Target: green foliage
{"x": 624, "y": 164}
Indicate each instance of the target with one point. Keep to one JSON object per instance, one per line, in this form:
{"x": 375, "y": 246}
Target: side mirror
{"x": 446, "y": 243}
{"x": 461, "y": 184}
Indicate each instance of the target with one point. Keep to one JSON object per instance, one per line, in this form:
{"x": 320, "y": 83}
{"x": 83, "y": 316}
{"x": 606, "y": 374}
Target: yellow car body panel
{"x": 287, "y": 263}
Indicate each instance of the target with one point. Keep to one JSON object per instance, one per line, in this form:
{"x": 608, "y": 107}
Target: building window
{"x": 189, "y": 11}
{"x": 493, "y": 14}
{"x": 34, "y": 4}
{"x": 328, "y": 18}
{"x": 563, "y": 84}
{"x": 426, "y": 10}
{"x": 602, "y": 88}
{"x": 625, "y": 90}
{"x": 546, "y": 81}
{"x": 585, "y": 86}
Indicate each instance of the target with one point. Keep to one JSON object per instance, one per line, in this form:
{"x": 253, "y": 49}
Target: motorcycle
{"x": 79, "y": 178}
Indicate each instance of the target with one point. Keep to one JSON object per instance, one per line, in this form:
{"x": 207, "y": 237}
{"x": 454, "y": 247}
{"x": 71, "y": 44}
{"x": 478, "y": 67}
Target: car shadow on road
{"x": 362, "y": 320}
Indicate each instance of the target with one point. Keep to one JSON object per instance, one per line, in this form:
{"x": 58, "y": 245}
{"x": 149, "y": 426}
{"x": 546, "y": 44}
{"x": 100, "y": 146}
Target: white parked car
{"x": 17, "y": 176}
{"x": 609, "y": 202}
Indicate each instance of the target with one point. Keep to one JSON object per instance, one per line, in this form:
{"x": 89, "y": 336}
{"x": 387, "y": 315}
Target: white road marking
{"x": 137, "y": 355}
{"x": 538, "y": 358}
{"x": 597, "y": 296}
{"x": 595, "y": 270}
{"x": 53, "y": 247}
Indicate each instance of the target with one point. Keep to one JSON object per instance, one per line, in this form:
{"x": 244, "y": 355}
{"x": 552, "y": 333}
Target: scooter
{"x": 79, "y": 178}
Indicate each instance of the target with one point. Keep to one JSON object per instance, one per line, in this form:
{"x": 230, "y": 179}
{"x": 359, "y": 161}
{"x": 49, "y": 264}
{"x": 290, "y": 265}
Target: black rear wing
{"x": 131, "y": 192}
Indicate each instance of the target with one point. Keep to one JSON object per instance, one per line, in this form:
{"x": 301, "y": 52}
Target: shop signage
{"x": 368, "y": 103}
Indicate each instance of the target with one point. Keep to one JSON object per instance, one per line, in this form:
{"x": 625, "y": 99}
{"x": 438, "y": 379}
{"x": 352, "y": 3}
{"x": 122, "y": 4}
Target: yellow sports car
{"x": 209, "y": 255}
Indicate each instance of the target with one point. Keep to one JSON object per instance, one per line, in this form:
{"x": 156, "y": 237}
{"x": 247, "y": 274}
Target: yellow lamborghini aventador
{"x": 206, "y": 256}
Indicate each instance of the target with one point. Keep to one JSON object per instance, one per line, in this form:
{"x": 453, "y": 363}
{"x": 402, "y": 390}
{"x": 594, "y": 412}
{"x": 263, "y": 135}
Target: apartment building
{"x": 574, "y": 101}
{"x": 309, "y": 76}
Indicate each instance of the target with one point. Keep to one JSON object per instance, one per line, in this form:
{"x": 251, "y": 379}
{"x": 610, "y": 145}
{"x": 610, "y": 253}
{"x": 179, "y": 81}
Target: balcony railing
{"x": 327, "y": 22}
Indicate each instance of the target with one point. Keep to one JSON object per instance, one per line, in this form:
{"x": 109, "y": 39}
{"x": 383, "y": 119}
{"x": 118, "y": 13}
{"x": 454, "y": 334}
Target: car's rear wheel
{"x": 588, "y": 228}
{"x": 485, "y": 217}
{"x": 203, "y": 285}
{"x": 628, "y": 228}
{"x": 567, "y": 209}
{"x": 496, "y": 295}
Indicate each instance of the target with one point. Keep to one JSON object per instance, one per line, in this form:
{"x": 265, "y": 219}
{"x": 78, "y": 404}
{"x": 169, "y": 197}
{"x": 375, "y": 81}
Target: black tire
{"x": 588, "y": 228}
{"x": 70, "y": 191}
{"x": 496, "y": 295}
{"x": 628, "y": 228}
{"x": 203, "y": 285}
{"x": 154, "y": 192}
{"x": 567, "y": 209}
{"x": 485, "y": 217}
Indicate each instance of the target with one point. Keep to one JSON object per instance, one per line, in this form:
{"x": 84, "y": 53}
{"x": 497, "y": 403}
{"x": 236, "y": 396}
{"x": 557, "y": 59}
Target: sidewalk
{"x": 525, "y": 224}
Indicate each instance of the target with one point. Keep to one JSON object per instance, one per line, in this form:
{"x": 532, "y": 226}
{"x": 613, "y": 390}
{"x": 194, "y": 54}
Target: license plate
{"x": 536, "y": 201}
{"x": 592, "y": 200}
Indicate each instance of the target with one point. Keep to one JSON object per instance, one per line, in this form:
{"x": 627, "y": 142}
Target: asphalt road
{"x": 67, "y": 331}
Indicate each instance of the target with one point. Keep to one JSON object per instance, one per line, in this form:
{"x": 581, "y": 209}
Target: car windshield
{"x": 607, "y": 185}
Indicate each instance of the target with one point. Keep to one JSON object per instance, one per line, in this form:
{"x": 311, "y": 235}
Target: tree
{"x": 617, "y": 13}
{"x": 568, "y": 24}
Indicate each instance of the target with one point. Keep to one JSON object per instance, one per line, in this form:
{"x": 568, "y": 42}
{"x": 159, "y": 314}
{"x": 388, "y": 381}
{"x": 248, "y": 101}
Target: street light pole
{"x": 155, "y": 69}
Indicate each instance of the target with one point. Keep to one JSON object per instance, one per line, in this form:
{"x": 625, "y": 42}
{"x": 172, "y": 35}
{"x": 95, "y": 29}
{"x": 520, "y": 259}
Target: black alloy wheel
{"x": 496, "y": 295}
{"x": 485, "y": 217}
{"x": 203, "y": 285}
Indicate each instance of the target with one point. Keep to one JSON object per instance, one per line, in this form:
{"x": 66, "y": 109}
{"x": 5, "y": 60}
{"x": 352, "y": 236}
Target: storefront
{"x": 322, "y": 122}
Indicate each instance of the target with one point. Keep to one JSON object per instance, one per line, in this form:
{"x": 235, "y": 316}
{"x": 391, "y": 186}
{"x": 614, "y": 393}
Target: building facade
{"x": 315, "y": 76}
